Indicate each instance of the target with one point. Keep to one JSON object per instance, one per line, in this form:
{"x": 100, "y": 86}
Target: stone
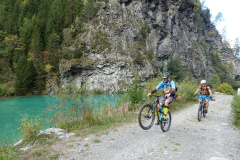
{"x": 171, "y": 34}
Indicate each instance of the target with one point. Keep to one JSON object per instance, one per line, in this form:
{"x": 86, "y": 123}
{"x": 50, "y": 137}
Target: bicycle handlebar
{"x": 210, "y": 99}
{"x": 156, "y": 95}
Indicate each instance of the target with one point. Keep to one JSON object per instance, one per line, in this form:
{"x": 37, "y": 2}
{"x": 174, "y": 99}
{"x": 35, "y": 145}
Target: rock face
{"x": 137, "y": 37}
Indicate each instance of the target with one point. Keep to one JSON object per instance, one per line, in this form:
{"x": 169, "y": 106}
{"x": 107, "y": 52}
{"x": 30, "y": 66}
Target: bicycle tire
{"x": 199, "y": 112}
{"x": 204, "y": 109}
{"x": 165, "y": 125}
{"x": 146, "y": 116}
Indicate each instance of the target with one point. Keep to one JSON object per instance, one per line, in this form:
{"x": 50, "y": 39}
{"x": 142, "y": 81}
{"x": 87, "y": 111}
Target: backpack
{"x": 202, "y": 90}
{"x": 176, "y": 89}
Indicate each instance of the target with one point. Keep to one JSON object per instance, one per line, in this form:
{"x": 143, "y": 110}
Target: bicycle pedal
{"x": 163, "y": 120}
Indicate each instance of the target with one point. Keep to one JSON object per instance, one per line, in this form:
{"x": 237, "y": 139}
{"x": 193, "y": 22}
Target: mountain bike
{"x": 147, "y": 113}
{"x": 202, "y": 108}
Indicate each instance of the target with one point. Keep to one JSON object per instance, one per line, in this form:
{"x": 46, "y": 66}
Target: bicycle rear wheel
{"x": 199, "y": 112}
{"x": 146, "y": 116}
{"x": 165, "y": 124}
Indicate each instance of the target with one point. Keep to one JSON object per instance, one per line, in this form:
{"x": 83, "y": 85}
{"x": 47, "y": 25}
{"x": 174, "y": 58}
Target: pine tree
{"x": 35, "y": 49}
{"x": 74, "y": 9}
{"x": 26, "y": 33}
{"x": 24, "y": 76}
{"x": 174, "y": 68}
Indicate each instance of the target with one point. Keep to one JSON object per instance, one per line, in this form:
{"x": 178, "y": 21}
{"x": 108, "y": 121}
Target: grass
{"x": 236, "y": 110}
{"x": 39, "y": 151}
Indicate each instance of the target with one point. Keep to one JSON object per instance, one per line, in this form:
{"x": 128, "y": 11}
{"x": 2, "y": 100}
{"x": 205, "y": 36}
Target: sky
{"x": 230, "y": 10}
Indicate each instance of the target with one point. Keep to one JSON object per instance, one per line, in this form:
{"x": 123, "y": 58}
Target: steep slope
{"x": 137, "y": 37}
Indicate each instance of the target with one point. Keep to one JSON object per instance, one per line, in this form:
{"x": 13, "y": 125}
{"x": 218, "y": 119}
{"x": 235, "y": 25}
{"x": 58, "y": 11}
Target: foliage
{"x": 135, "y": 92}
{"x": 30, "y": 127}
{"x": 24, "y": 76}
{"x": 228, "y": 79}
{"x": 218, "y": 18}
{"x": 154, "y": 81}
{"x": 150, "y": 54}
{"x": 71, "y": 105}
{"x": 201, "y": 16}
{"x": 36, "y": 26}
{"x": 6, "y": 89}
{"x": 142, "y": 35}
{"x": 226, "y": 88}
{"x": 214, "y": 81}
{"x": 186, "y": 89}
{"x": 174, "y": 68}
{"x": 236, "y": 110}
{"x": 90, "y": 9}
{"x": 138, "y": 59}
{"x": 236, "y": 48}
{"x": 7, "y": 152}
{"x": 99, "y": 40}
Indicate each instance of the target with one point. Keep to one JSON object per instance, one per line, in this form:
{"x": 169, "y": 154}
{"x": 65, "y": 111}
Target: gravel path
{"x": 214, "y": 138}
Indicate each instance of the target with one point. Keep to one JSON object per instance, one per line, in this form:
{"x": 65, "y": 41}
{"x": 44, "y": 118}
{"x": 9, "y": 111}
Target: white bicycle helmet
{"x": 203, "y": 81}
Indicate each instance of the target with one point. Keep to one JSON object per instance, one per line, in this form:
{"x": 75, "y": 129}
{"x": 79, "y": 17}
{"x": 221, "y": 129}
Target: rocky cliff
{"x": 137, "y": 37}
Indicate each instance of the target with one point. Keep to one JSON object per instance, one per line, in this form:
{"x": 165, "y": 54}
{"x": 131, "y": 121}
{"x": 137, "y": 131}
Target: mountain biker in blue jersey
{"x": 168, "y": 91}
{"x": 204, "y": 93}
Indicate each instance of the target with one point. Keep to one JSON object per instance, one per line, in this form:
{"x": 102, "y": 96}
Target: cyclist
{"x": 168, "y": 91}
{"x": 204, "y": 93}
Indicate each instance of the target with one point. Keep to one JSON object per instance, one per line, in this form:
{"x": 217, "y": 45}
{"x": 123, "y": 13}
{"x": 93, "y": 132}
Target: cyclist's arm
{"x": 210, "y": 91}
{"x": 153, "y": 91}
{"x": 197, "y": 91}
{"x": 160, "y": 85}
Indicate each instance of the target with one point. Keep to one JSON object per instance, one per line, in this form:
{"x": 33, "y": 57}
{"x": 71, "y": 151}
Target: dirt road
{"x": 214, "y": 138}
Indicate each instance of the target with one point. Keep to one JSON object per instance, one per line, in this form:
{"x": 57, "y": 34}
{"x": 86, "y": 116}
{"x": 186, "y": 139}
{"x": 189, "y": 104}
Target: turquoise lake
{"x": 13, "y": 109}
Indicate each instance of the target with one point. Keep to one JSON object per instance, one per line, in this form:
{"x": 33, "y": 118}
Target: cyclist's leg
{"x": 162, "y": 101}
{"x": 207, "y": 102}
{"x": 167, "y": 102}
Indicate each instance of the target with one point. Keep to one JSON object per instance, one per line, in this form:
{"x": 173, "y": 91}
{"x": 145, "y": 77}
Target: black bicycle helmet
{"x": 165, "y": 75}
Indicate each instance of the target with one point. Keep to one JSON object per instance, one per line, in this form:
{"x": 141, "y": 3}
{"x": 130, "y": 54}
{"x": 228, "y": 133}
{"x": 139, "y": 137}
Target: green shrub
{"x": 30, "y": 127}
{"x": 150, "y": 54}
{"x": 186, "y": 89}
{"x": 78, "y": 53}
{"x": 215, "y": 82}
{"x": 138, "y": 59}
{"x": 70, "y": 107}
{"x": 135, "y": 93}
{"x": 7, "y": 152}
{"x": 228, "y": 79}
{"x": 226, "y": 88}
{"x": 174, "y": 68}
{"x": 236, "y": 110}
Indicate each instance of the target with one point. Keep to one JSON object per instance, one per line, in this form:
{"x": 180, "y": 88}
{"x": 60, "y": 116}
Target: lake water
{"x": 13, "y": 109}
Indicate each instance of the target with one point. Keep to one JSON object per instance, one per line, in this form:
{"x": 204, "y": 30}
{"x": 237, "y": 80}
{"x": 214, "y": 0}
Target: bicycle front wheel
{"x": 204, "y": 111}
{"x": 165, "y": 124}
{"x": 146, "y": 116}
{"x": 199, "y": 112}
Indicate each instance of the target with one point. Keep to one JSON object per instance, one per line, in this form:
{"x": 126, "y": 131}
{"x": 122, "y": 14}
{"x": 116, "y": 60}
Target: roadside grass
{"x": 40, "y": 150}
{"x": 236, "y": 110}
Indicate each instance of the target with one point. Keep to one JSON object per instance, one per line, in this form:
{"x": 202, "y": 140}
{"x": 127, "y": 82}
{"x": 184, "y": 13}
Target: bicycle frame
{"x": 202, "y": 108}
{"x": 161, "y": 108}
